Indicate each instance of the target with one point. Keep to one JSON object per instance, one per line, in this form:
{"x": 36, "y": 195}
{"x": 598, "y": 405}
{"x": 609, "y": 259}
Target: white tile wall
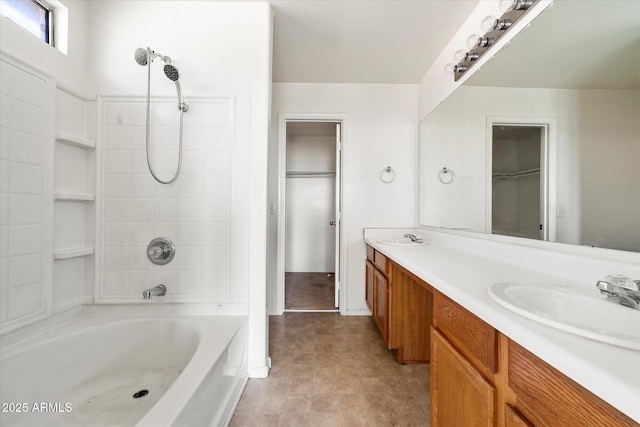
{"x": 193, "y": 211}
{"x": 23, "y": 121}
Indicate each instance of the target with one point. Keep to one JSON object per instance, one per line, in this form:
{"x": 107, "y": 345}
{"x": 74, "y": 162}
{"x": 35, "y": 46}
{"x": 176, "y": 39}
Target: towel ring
{"x": 387, "y": 175}
{"x": 446, "y": 176}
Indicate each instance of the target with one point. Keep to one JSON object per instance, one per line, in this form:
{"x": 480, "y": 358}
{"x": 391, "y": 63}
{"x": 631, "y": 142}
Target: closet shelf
{"x": 517, "y": 174}
{"x": 310, "y": 174}
{"x": 75, "y": 140}
{"x": 74, "y": 197}
{"x": 59, "y": 254}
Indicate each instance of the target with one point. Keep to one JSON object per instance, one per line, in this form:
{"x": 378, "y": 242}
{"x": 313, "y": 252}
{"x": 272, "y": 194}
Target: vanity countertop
{"x": 610, "y": 372}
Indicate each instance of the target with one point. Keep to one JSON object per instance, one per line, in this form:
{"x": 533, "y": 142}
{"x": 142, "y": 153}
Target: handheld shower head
{"x": 142, "y": 56}
{"x": 171, "y": 72}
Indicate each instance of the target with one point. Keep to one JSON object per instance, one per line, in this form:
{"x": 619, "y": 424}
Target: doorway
{"x": 309, "y": 223}
{"x": 518, "y": 180}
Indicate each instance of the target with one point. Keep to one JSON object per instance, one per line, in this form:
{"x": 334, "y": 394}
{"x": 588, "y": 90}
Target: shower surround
{"x": 193, "y": 212}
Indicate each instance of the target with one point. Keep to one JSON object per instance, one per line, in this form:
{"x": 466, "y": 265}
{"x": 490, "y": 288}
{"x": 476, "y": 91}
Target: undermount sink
{"x": 402, "y": 241}
{"x": 580, "y": 311}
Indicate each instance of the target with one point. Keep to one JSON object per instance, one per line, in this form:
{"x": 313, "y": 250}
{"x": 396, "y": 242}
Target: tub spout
{"x": 158, "y": 291}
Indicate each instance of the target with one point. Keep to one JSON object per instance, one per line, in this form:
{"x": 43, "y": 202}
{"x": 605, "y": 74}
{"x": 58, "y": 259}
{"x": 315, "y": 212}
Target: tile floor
{"x": 330, "y": 370}
{"x": 309, "y": 291}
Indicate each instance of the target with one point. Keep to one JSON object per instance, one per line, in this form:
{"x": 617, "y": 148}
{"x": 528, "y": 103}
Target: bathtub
{"x": 126, "y": 370}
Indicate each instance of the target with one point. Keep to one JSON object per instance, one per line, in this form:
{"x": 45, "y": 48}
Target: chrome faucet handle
{"x": 413, "y": 237}
{"x": 622, "y": 292}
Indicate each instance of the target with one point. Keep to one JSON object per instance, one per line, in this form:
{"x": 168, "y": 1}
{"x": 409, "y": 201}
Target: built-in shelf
{"x": 310, "y": 174}
{"x": 76, "y": 141}
{"x": 59, "y": 254}
{"x": 74, "y": 197}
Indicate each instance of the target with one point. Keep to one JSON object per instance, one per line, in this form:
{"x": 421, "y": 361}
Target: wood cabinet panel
{"x": 513, "y": 419}
{"x": 460, "y": 396}
{"x": 381, "y": 262}
{"x": 550, "y": 399}
{"x": 410, "y": 305}
{"x": 381, "y": 313}
{"x": 369, "y": 294}
{"x": 370, "y": 253}
{"x": 477, "y": 340}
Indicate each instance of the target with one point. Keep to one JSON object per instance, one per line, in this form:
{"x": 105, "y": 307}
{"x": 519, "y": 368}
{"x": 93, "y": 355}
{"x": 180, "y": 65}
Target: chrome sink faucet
{"x": 621, "y": 289}
{"x": 158, "y": 291}
{"x": 414, "y": 237}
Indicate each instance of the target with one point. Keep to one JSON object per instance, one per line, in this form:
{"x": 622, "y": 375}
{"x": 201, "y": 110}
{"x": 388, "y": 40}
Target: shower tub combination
{"x": 126, "y": 370}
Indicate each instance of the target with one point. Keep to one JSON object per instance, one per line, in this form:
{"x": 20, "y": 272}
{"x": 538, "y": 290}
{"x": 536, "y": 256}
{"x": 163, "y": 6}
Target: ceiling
{"x": 351, "y": 41}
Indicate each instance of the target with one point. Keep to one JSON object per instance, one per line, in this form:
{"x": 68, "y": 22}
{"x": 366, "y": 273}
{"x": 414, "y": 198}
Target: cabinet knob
{"x": 332, "y": 223}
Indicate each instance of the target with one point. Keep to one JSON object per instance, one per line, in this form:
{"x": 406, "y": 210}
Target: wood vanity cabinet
{"x": 463, "y": 367}
{"x": 479, "y": 377}
{"x": 546, "y": 397}
{"x": 401, "y": 308}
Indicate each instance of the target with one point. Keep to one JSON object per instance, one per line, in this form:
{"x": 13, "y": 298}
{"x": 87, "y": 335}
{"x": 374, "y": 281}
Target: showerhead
{"x": 171, "y": 72}
{"x": 142, "y": 56}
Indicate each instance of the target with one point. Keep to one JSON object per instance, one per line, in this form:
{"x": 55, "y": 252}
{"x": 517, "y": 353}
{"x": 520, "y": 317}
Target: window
{"x": 34, "y": 16}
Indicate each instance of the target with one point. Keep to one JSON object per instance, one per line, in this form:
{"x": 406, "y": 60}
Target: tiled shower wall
{"x": 24, "y": 124}
{"x": 194, "y": 211}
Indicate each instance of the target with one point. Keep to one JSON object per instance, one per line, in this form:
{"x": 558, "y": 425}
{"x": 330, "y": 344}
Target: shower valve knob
{"x": 161, "y": 251}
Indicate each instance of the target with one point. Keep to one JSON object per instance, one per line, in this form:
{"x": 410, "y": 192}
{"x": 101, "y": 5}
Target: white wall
{"x": 582, "y": 154}
{"x": 223, "y": 51}
{"x": 380, "y": 130}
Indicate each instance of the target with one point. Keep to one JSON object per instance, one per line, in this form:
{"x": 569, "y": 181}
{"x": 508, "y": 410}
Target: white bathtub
{"x": 86, "y": 371}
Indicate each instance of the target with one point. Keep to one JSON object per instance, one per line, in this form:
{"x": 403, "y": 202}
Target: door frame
{"x": 283, "y": 118}
{"x": 548, "y": 159}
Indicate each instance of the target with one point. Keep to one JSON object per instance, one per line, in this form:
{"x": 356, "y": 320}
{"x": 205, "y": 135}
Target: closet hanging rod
{"x": 310, "y": 174}
{"x": 507, "y": 175}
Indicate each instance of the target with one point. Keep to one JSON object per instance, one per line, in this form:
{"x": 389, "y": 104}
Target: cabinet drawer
{"x": 370, "y": 253}
{"x": 476, "y": 340}
{"x": 381, "y": 262}
{"x": 547, "y": 395}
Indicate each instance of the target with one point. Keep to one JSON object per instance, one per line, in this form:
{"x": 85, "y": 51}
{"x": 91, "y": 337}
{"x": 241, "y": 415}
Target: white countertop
{"x": 610, "y": 372}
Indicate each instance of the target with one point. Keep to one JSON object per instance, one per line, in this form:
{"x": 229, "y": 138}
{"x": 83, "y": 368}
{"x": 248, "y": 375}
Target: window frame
{"x": 47, "y": 36}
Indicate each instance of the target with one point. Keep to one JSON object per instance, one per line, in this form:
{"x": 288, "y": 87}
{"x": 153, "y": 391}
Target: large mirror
{"x": 543, "y": 142}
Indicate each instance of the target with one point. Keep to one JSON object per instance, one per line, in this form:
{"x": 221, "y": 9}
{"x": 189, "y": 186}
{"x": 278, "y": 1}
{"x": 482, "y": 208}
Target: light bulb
{"x": 459, "y": 55}
{"x": 473, "y": 41}
{"x": 507, "y": 5}
{"x": 489, "y": 23}
{"x": 448, "y": 69}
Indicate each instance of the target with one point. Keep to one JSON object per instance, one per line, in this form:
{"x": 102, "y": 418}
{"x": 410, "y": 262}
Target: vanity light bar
{"x": 495, "y": 28}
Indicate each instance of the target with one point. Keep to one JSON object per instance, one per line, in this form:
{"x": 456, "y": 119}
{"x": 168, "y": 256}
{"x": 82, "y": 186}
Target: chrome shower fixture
{"x": 142, "y": 56}
{"x": 145, "y": 57}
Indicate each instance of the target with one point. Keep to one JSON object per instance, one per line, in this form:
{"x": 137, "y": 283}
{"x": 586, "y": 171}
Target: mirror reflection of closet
{"x": 518, "y": 181}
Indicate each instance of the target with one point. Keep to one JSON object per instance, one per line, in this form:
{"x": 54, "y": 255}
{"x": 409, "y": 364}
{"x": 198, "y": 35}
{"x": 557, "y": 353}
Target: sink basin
{"x": 405, "y": 241}
{"x": 580, "y": 311}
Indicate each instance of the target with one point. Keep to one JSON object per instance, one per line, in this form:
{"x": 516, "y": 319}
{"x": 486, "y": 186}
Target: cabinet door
{"x": 369, "y": 286}
{"x": 381, "y": 314}
{"x": 460, "y": 396}
{"x": 513, "y": 419}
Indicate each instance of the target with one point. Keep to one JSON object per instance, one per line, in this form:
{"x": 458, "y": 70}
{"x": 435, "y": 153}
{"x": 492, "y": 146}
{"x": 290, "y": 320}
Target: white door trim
{"x": 283, "y": 118}
{"x": 549, "y": 151}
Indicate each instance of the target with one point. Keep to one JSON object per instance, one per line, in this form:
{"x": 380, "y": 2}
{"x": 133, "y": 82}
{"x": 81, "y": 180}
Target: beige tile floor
{"x": 309, "y": 291}
{"x": 330, "y": 370}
